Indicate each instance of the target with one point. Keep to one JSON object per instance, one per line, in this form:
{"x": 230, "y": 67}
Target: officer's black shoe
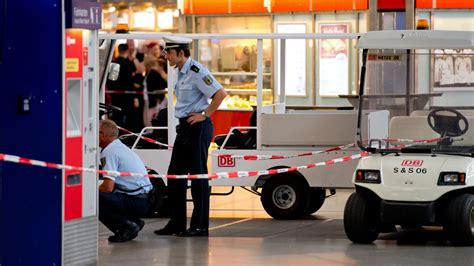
{"x": 191, "y": 232}
{"x": 140, "y": 224}
{"x": 167, "y": 231}
{"x": 126, "y": 234}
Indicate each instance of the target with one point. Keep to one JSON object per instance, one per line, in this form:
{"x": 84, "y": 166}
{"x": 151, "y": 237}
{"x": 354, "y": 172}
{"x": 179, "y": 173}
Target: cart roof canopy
{"x": 416, "y": 39}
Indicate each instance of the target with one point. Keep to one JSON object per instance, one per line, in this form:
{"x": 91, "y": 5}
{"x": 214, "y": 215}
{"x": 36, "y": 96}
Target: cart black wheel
{"x": 158, "y": 198}
{"x": 285, "y": 196}
{"x": 459, "y": 224}
{"x": 317, "y": 196}
{"x": 361, "y": 218}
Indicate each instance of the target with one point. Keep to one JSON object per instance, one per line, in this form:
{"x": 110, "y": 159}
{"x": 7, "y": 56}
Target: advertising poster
{"x": 453, "y": 70}
{"x": 295, "y": 59}
{"x": 333, "y": 61}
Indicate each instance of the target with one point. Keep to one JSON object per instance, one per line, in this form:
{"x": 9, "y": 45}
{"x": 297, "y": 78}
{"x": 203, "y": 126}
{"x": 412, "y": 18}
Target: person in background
{"x": 194, "y": 87}
{"x": 135, "y": 56}
{"x": 136, "y": 122}
{"x": 163, "y": 71}
{"x": 154, "y": 49}
{"x": 156, "y": 80}
{"x": 122, "y": 199}
{"x": 245, "y": 59}
{"x": 124, "y": 82}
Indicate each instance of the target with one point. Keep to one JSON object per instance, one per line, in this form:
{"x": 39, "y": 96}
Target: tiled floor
{"x": 241, "y": 233}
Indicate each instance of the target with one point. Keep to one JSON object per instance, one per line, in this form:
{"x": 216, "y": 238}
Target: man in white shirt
{"x": 122, "y": 199}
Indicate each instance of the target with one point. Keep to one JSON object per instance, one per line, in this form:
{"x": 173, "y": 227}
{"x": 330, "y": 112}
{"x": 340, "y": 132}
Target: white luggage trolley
{"x": 283, "y": 132}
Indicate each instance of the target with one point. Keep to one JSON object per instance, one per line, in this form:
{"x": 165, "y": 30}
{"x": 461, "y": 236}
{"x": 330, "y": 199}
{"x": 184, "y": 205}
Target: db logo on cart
{"x": 414, "y": 163}
{"x": 225, "y": 161}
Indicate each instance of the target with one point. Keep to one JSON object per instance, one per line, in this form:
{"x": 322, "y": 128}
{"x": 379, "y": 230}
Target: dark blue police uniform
{"x": 195, "y": 86}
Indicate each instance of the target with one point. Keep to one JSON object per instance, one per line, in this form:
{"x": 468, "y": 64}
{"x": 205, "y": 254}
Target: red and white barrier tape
{"x": 415, "y": 142}
{"x": 237, "y": 174}
{"x": 338, "y": 148}
{"x": 274, "y": 157}
{"x": 136, "y": 92}
{"x": 145, "y": 138}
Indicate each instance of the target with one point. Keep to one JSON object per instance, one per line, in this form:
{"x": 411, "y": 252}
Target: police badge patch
{"x": 207, "y": 79}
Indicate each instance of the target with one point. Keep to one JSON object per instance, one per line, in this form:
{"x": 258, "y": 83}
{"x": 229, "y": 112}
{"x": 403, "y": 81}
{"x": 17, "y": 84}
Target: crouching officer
{"x": 122, "y": 199}
{"x": 194, "y": 87}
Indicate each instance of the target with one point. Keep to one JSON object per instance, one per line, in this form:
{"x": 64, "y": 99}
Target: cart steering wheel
{"x": 446, "y": 121}
{"x": 106, "y": 109}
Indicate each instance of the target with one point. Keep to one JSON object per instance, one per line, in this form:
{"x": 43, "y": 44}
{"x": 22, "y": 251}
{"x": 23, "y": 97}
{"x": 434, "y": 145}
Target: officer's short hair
{"x": 186, "y": 51}
{"x": 109, "y": 128}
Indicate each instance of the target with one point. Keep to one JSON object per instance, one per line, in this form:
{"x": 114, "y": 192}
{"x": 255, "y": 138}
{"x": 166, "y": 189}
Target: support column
{"x": 410, "y": 15}
{"x": 373, "y": 16}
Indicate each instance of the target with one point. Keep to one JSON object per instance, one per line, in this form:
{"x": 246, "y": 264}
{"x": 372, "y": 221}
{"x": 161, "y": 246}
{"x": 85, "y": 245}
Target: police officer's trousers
{"x": 189, "y": 156}
{"x": 117, "y": 210}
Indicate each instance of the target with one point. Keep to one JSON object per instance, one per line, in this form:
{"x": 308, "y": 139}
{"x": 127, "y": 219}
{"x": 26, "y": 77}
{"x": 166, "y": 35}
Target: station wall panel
{"x": 328, "y": 5}
{"x": 31, "y": 68}
{"x": 277, "y": 6}
{"x": 247, "y": 6}
{"x": 361, "y": 4}
{"x": 424, "y": 4}
{"x": 209, "y": 7}
{"x": 290, "y": 6}
{"x": 449, "y": 4}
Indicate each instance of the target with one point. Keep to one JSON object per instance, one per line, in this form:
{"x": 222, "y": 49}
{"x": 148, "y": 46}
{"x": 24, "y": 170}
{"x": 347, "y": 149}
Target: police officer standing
{"x": 122, "y": 199}
{"x": 194, "y": 87}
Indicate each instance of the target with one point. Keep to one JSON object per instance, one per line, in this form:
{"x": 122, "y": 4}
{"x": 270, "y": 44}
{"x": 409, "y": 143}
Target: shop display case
{"x": 233, "y": 61}
{"x": 242, "y": 89}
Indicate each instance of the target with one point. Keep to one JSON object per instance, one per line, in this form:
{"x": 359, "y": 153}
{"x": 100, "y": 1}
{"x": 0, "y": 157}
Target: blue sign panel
{"x": 83, "y": 14}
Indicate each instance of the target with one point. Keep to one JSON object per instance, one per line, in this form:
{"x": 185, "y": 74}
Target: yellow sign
{"x": 72, "y": 64}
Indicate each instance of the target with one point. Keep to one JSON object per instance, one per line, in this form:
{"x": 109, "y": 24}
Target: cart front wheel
{"x": 360, "y": 218}
{"x": 460, "y": 220}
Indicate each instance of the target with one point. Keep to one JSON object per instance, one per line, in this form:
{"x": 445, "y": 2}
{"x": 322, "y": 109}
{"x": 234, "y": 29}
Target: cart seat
{"x": 240, "y": 140}
{"x": 410, "y": 127}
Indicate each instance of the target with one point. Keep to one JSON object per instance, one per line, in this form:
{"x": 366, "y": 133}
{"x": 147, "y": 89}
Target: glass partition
{"x": 233, "y": 61}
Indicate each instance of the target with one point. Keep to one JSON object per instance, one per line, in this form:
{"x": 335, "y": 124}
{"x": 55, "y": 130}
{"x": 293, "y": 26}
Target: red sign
{"x": 414, "y": 163}
{"x": 390, "y": 5}
{"x": 225, "y": 161}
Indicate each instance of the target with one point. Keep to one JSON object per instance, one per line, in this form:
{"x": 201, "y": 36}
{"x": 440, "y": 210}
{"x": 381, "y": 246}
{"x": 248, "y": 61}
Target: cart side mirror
{"x": 114, "y": 70}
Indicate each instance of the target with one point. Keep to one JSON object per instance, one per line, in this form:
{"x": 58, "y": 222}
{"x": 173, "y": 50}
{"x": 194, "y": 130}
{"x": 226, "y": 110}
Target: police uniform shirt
{"x": 118, "y": 157}
{"x": 194, "y": 87}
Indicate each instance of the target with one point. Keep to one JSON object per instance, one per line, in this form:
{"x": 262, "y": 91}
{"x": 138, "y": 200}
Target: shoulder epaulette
{"x": 195, "y": 68}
